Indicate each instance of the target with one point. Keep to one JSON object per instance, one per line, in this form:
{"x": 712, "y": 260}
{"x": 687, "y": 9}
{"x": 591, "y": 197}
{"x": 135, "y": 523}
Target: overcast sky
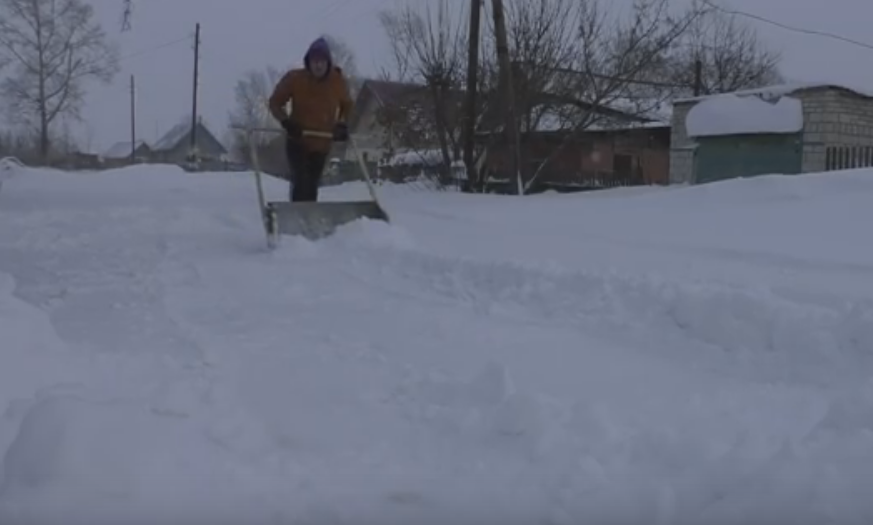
{"x": 238, "y": 35}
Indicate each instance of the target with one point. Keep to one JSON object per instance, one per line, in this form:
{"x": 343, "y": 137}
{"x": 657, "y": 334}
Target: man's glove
{"x": 341, "y": 132}
{"x": 291, "y": 128}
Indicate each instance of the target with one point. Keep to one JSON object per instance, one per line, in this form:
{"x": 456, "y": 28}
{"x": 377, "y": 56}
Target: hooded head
{"x": 319, "y": 51}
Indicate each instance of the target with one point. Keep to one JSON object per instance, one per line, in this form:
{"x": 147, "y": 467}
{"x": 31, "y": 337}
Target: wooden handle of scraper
{"x": 306, "y": 133}
{"x": 318, "y": 134}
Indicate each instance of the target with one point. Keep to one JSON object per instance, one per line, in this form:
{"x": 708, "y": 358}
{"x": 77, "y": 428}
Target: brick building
{"x": 785, "y": 129}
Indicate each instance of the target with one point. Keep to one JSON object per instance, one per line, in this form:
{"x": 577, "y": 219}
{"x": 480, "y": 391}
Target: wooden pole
{"x": 472, "y": 85}
{"x": 511, "y": 122}
{"x": 196, "y": 85}
{"x": 132, "y": 120}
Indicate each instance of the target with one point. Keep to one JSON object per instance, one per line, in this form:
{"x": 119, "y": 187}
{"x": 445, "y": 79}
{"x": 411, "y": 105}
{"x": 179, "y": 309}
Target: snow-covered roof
{"x": 625, "y": 126}
{"x": 654, "y": 108}
{"x": 182, "y": 130}
{"x": 780, "y": 90}
{"x": 172, "y": 137}
{"x": 735, "y": 115}
{"x": 428, "y": 158}
{"x": 122, "y": 149}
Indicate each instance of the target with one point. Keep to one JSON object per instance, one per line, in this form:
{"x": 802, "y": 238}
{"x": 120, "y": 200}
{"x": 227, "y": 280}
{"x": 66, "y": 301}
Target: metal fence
{"x": 848, "y": 157}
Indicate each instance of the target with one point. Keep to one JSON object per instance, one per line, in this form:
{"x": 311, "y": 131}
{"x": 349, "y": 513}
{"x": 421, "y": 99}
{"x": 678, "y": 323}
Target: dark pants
{"x": 306, "y": 169}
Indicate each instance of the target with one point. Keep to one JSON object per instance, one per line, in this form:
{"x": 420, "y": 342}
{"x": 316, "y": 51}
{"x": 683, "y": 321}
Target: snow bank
{"x": 733, "y": 115}
{"x": 152, "y": 171}
{"x": 78, "y": 461}
{"x": 748, "y": 323}
{"x": 398, "y": 372}
{"x": 9, "y": 166}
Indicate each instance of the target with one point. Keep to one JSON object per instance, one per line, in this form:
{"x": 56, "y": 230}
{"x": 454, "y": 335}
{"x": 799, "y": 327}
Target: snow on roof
{"x": 735, "y": 115}
{"x": 780, "y": 90}
{"x": 626, "y": 126}
{"x": 652, "y": 108}
{"x": 173, "y": 137}
{"x": 432, "y": 157}
{"x": 122, "y": 149}
{"x": 555, "y": 118}
{"x": 425, "y": 158}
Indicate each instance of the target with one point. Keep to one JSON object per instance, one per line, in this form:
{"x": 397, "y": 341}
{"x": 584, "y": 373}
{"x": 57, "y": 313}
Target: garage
{"x": 731, "y": 156}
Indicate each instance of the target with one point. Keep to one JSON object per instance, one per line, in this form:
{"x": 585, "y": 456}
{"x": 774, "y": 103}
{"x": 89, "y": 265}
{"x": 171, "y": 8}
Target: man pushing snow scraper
{"x": 320, "y": 109}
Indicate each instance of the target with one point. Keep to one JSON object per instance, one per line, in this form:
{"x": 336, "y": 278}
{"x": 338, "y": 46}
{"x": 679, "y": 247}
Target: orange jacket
{"x": 316, "y": 104}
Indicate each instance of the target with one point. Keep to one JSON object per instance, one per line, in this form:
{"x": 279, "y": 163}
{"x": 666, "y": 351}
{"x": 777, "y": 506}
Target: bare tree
{"x": 251, "y": 93}
{"x": 541, "y": 45}
{"x": 731, "y": 56}
{"x": 613, "y": 71}
{"x": 575, "y": 65}
{"x": 429, "y": 48}
{"x": 54, "y": 47}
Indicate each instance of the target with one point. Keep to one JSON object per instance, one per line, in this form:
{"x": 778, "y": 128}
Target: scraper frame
{"x": 270, "y": 211}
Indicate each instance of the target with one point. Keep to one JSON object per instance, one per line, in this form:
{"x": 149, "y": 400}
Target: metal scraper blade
{"x": 315, "y": 220}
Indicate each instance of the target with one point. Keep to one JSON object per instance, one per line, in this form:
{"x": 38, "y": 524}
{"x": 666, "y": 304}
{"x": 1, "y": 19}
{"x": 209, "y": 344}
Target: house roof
{"x": 172, "y": 137}
{"x": 385, "y": 93}
{"x": 779, "y": 90}
{"x": 181, "y": 132}
{"x": 122, "y": 149}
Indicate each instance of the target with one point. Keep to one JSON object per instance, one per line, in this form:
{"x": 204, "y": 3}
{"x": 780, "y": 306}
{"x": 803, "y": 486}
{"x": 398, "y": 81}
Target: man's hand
{"x": 291, "y": 128}
{"x": 341, "y": 132}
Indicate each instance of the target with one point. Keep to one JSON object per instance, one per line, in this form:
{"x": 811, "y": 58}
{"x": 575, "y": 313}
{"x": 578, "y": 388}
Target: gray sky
{"x": 238, "y": 35}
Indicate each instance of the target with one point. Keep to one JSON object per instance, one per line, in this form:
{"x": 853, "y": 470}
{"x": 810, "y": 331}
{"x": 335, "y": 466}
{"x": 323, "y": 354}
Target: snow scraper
{"x": 312, "y": 220}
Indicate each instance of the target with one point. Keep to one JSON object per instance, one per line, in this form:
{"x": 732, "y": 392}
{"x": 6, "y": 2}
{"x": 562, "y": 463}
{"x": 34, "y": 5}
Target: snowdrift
{"x": 659, "y": 355}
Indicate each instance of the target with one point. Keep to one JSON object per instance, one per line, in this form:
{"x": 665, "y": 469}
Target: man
{"x": 320, "y": 101}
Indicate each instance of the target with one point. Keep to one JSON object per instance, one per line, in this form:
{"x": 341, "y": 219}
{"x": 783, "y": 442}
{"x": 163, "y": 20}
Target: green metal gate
{"x": 729, "y": 157}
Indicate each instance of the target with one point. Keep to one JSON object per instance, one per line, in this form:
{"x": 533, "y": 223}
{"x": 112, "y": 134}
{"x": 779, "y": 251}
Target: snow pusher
{"x": 312, "y": 220}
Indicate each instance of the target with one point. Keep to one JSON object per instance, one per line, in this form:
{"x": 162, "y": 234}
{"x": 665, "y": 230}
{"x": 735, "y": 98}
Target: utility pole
{"x": 698, "y": 77}
{"x": 193, "y": 148}
{"x": 132, "y": 120}
{"x": 511, "y": 124}
{"x": 472, "y": 86}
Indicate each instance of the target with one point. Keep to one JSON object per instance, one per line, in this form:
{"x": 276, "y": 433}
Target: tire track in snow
{"x": 808, "y": 341}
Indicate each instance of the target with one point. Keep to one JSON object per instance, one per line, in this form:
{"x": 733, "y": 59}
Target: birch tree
{"x": 52, "y": 48}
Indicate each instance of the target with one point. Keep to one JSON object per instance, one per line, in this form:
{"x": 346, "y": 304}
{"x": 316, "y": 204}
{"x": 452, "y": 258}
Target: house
{"x": 573, "y": 139}
{"x": 593, "y": 158}
{"x": 175, "y": 146}
{"x": 618, "y": 147}
{"x": 783, "y": 129}
{"x": 384, "y": 114}
{"x": 119, "y": 153}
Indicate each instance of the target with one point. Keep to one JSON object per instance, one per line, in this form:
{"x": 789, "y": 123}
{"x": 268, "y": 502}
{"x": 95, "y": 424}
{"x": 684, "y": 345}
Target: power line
{"x": 155, "y": 48}
{"x": 802, "y": 30}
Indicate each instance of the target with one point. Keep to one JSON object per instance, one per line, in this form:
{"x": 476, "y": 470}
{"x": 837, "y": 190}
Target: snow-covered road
{"x": 677, "y": 356}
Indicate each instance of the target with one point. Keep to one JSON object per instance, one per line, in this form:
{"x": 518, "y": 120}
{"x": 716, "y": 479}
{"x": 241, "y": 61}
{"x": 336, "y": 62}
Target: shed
{"x": 784, "y": 129}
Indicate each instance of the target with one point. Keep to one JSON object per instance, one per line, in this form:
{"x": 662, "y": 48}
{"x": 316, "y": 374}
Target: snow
{"x": 789, "y": 88}
{"x": 661, "y": 355}
{"x": 734, "y": 115}
{"x": 9, "y": 166}
{"x": 428, "y": 157}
